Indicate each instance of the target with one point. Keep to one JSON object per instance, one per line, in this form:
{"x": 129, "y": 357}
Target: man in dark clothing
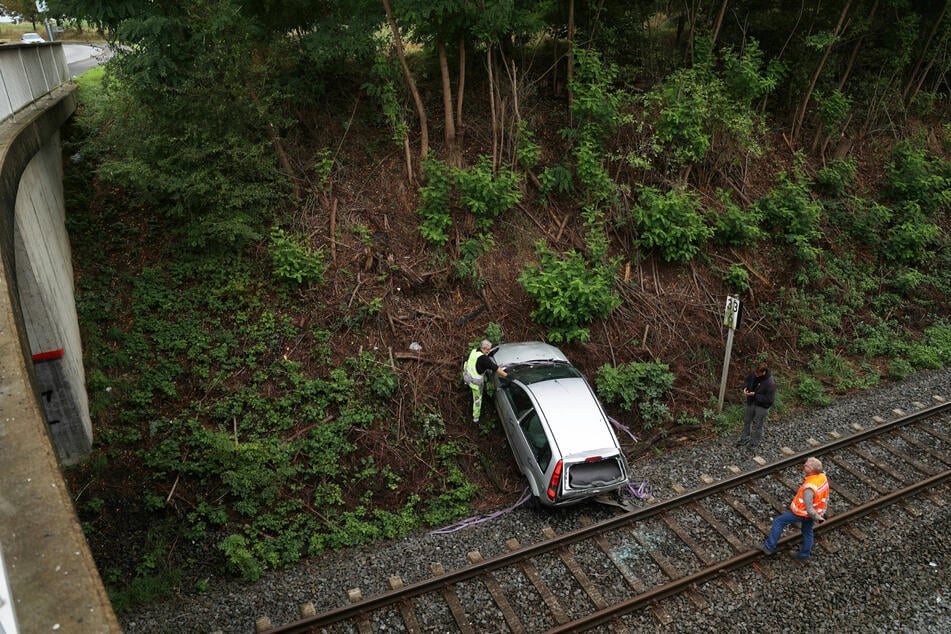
{"x": 760, "y": 391}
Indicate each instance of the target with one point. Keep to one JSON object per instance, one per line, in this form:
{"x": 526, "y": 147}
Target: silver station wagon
{"x": 561, "y": 437}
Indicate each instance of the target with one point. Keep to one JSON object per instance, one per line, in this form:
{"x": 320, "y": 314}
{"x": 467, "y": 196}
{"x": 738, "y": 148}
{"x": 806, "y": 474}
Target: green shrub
{"x": 671, "y": 223}
{"x": 434, "y": 209}
{"x": 240, "y": 558}
{"x": 557, "y": 179}
{"x": 913, "y": 175}
{"x": 738, "y": 278}
{"x": 910, "y": 240}
{"x": 736, "y": 226}
{"x": 938, "y": 336}
{"x": 528, "y": 149}
{"x": 809, "y": 390}
{"x": 646, "y": 385}
{"x": 835, "y": 177}
{"x": 568, "y": 293}
{"x": 900, "y": 369}
{"x": 294, "y": 260}
{"x": 833, "y": 109}
{"x": 485, "y": 194}
{"x": 790, "y": 210}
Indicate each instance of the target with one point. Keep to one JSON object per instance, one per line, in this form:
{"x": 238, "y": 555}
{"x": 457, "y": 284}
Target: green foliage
{"x": 557, "y": 179}
{"x": 810, "y": 391}
{"x": 240, "y": 558}
{"x": 493, "y": 332}
{"x": 295, "y": 260}
{"x": 598, "y": 186}
{"x": 568, "y": 293}
{"x": 911, "y": 238}
{"x": 527, "y": 147}
{"x": 485, "y": 194}
{"x": 835, "y": 177}
{"x": 458, "y": 491}
{"x": 736, "y": 226}
{"x": 386, "y": 78}
{"x": 738, "y": 278}
{"x": 833, "y": 109}
{"x": 434, "y": 210}
{"x": 701, "y": 105}
{"x": 670, "y": 222}
{"x": 323, "y": 168}
{"x": 746, "y": 76}
{"x": 915, "y": 176}
{"x": 900, "y": 369}
{"x": 596, "y": 103}
{"x": 646, "y": 385}
{"x": 790, "y": 210}
{"x": 470, "y": 251}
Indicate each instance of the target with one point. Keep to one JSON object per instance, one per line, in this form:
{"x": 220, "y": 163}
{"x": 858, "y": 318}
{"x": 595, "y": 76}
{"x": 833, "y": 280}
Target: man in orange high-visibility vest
{"x": 808, "y": 507}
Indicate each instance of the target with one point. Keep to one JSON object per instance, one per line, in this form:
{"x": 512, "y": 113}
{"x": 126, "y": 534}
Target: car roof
{"x": 513, "y": 353}
{"x": 575, "y": 419}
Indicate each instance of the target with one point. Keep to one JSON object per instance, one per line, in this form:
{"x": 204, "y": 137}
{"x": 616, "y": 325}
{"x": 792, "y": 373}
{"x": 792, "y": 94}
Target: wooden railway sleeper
{"x": 914, "y": 462}
{"x": 531, "y": 572}
{"x": 452, "y": 600}
{"x": 858, "y": 475}
{"x": 498, "y": 595}
{"x": 580, "y": 576}
{"x": 888, "y": 470}
{"x": 922, "y": 447}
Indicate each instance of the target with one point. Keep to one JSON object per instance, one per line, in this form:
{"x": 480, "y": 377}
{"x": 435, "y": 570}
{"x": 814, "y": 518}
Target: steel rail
{"x": 447, "y": 580}
{"x": 609, "y": 614}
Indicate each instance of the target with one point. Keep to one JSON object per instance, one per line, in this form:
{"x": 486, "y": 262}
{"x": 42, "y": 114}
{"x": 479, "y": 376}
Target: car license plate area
{"x": 586, "y": 475}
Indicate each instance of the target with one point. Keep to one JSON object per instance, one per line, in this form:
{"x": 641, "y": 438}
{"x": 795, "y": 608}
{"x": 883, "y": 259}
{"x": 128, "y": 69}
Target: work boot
{"x": 741, "y": 442}
{"x": 766, "y": 551}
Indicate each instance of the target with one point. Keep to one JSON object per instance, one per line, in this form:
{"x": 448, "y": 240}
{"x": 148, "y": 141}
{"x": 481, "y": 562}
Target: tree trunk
{"x": 420, "y": 111}
{"x": 454, "y": 158}
{"x": 801, "y": 111}
{"x": 490, "y": 62}
{"x": 719, "y": 21}
{"x": 462, "y": 83}
{"x": 924, "y": 50}
{"x": 845, "y": 75}
{"x": 571, "y": 48}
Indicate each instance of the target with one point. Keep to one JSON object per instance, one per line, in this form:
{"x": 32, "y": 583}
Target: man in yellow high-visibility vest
{"x": 473, "y": 374}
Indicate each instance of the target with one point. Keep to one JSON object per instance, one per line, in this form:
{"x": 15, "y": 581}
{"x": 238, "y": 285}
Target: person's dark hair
{"x": 762, "y": 369}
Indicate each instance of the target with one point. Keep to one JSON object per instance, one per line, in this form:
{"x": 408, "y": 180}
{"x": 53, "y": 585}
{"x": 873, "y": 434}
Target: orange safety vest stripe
{"x": 819, "y": 484}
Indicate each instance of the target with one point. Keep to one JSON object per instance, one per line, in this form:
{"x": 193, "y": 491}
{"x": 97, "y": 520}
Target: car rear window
{"x": 529, "y": 374}
{"x": 584, "y": 475}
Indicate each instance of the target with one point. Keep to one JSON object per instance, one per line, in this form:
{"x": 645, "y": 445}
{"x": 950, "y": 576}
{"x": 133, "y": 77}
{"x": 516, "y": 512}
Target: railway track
{"x": 589, "y": 577}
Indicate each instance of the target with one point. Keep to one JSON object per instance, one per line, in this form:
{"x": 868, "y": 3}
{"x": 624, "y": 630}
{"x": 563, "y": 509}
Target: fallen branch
{"x": 413, "y": 356}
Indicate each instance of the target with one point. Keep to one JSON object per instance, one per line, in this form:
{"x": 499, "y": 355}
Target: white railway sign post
{"x": 731, "y": 319}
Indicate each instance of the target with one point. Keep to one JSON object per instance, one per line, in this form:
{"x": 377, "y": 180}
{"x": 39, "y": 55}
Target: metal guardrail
{"x": 28, "y": 72}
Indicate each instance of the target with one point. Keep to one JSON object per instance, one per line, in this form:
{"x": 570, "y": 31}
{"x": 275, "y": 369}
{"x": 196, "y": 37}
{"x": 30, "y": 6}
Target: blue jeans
{"x": 784, "y": 520}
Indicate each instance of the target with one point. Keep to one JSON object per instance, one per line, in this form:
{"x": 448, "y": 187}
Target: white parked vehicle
{"x": 561, "y": 437}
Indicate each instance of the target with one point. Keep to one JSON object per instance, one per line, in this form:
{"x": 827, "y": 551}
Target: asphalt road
{"x": 82, "y": 57}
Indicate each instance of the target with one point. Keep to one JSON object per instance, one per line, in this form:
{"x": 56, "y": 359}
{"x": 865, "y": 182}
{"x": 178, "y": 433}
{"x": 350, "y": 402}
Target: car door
{"x": 513, "y": 406}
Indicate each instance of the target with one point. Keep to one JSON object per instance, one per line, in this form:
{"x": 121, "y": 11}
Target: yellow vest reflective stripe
{"x": 469, "y": 371}
{"x": 819, "y": 484}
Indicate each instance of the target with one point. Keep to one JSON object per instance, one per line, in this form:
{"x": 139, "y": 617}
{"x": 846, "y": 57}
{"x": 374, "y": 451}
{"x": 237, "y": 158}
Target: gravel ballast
{"x": 898, "y": 579}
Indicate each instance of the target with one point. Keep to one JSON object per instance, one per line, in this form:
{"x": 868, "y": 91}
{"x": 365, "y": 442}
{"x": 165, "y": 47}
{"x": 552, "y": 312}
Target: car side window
{"x": 537, "y": 440}
{"x": 520, "y": 401}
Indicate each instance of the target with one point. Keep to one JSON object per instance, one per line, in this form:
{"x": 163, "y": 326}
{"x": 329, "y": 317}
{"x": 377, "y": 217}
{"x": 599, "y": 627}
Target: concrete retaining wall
{"x": 53, "y": 581}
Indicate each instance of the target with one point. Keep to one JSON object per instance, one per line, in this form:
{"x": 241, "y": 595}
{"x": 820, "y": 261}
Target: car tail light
{"x": 555, "y": 479}
{"x": 593, "y": 459}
